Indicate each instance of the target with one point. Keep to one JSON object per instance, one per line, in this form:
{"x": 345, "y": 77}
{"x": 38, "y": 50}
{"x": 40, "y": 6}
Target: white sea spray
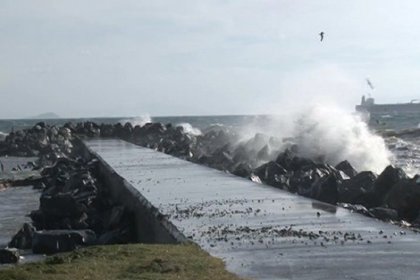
{"x": 139, "y": 120}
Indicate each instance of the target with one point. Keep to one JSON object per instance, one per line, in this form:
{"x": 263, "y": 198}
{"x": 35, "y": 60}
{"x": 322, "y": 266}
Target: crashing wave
{"x": 3, "y": 135}
{"x": 189, "y": 129}
{"x": 327, "y": 133}
{"x": 140, "y": 120}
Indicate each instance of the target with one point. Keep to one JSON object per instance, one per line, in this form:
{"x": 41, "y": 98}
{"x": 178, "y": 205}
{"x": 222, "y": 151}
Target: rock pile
{"x": 75, "y": 209}
{"x": 75, "y": 206}
{"x": 390, "y": 196}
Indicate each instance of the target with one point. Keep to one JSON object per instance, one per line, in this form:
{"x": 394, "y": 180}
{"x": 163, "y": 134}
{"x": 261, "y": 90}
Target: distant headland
{"x": 48, "y": 115}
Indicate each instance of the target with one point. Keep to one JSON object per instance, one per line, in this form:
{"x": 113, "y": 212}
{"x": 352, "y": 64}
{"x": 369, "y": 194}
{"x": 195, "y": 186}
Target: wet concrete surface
{"x": 262, "y": 232}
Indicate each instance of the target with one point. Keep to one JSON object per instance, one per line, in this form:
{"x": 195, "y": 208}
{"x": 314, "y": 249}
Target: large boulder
{"x": 55, "y": 241}
{"x": 23, "y": 238}
{"x": 155, "y": 128}
{"x": 326, "y": 188}
{"x": 285, "y": 159}
{"x": 347, "y": 168}
{"x": 272, "y": 174}
{"x": 388, "y": 178}
{"x": 404, "y": 197}
{"x": 356, "y": 190}
{"x": 302, "y": 163}
{"x": 9, "y": 255}
{"x": 264, "y": 153}
{"x": 242, "y": 170}
{"x": 386, "y": 214}
{"x": 107, "y": 130}
{"x": 61, "y": 205}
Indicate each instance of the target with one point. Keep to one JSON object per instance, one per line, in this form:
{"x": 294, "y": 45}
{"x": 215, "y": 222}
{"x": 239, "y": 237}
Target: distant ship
{"x": 369, "y": 107}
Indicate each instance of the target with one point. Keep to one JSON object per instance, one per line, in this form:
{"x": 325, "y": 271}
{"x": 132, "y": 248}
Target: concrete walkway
{"x": 262, "y": 232}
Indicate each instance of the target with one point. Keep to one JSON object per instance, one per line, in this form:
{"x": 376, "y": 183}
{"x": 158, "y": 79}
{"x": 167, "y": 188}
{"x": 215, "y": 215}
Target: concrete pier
{"x": 259, "y": 231}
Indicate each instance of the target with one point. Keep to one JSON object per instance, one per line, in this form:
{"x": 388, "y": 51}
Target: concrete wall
{"x": 151, "y": 226}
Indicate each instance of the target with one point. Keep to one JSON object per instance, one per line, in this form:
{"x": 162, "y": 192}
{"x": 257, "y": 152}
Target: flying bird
{"x": 321, "y": 35}
{"x": 370, "y": 84}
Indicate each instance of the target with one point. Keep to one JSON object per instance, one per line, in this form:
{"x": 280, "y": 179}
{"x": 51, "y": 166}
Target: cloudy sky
{"x": 128, "y": 58}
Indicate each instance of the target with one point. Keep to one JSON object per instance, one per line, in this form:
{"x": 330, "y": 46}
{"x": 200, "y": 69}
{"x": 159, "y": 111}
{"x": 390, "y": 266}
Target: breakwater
{"x": 149, "y": 224}
{"x": 124, "y": 193}
{"x": 262, "y": 232}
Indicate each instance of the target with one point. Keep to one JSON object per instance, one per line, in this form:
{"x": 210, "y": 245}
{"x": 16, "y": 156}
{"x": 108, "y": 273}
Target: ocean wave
{"x": 337, "y": 136}
{"x": 325, "y": 133}
{"x": 407, "y": 154}
{"x": 3, "y": 135}
{"x": 188, "y": 128}
{"x": 140, "y": 120}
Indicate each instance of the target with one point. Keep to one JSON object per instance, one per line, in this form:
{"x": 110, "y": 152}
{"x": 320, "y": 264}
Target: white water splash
{"x": 325, "y": 132}
{"x": 188, "y": 128}
{"x": 337, "y": 135}
{"x": 140, "y": 120}
{"x": 3, "y": 135}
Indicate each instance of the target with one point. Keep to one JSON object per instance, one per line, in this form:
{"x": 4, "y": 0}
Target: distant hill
{"x": 48, "y": 115}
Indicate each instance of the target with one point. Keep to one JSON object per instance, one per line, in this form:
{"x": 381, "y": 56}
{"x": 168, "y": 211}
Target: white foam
{"x": 338, "y": 135}
{"x": 3, "y": 135}
{"x": 330, "y": 133}
{"x": 188, "y": 128}
{"x": 139, "y": 120}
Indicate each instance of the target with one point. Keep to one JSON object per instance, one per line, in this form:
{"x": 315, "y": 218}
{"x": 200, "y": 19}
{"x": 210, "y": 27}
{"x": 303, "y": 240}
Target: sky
{"x": 208, "y": 57}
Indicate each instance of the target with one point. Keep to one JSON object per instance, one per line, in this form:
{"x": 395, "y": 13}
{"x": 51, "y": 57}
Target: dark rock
{"x": 119, "y": 130}
{"x": 38, "y": 185}
{"x": 155, "y": 128}
{"x": 23, "y": 238}
{"x": 326, "y": 188}
{"x": 55, "y": 241}
{"x": 107, "y": 130}
{"x": 139, "y": 131}
{"x": 9, "y": 255}
{"x": 114, "y": 217}
{"x": 347, "y": 168}
{"x": 404, "y": 197}
{"x": 264, "y": 153}
{"x": 242, "y": 170}
{"x": 354, "y": 189}
{"x": 40, "y": 125}
{"x": 240, "y": 154}
{"x": 388, "y": 178}
{"x": 383, "y": 213}
{"x": 355, "y": 208}
{"x": 285, "y": 159}
{"x": 117, "y": 236}
{"x": 127, "y": 131}
{"x": 61, "y": 205}
{"x": 305, "y": 179}
{"x": 220, "y": 159}
{"x": 299, "y": 163}
{"x": 273, "y": 174}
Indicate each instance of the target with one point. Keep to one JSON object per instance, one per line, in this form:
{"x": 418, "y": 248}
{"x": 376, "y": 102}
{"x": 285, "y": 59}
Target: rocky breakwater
{"x": 76, "y": 209}
{"x": 390, "y": 196}
{"x": 75, "y": 206}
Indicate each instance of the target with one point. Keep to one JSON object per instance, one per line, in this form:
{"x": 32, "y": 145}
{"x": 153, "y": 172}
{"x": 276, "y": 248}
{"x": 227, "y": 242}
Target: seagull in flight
{"x": 370, "y": 84}
{"x": 321, "y": 35}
